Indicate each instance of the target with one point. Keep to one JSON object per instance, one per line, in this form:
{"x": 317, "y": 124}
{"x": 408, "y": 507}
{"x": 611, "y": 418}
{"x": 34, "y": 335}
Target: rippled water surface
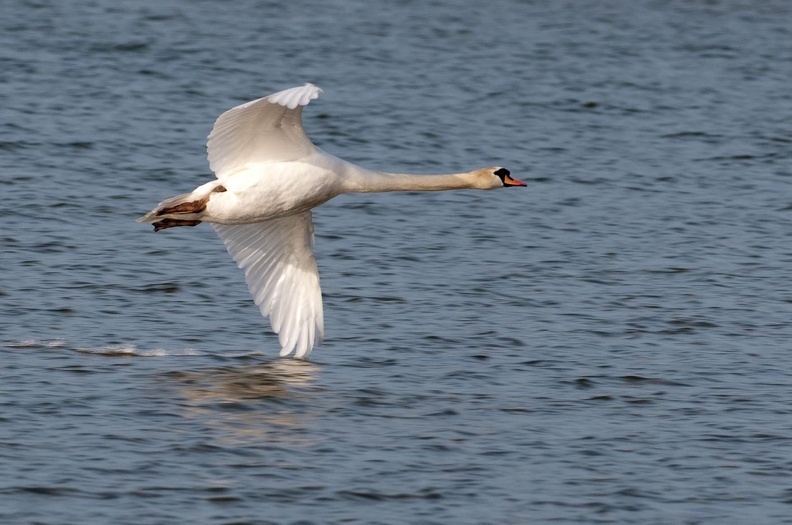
{"x": 610, "y": 345}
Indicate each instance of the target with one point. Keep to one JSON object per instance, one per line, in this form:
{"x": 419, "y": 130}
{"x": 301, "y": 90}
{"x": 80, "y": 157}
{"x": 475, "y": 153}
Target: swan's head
{"x": 497, "y": 177}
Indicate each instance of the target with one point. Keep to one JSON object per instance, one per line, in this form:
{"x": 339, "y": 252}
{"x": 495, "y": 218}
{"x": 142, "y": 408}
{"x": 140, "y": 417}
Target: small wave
{"x": 126, "y": 349}
{"x": 130, "y": 350}
{"x": 35, "y": 343}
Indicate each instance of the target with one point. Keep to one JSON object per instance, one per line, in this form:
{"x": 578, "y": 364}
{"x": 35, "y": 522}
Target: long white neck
{"x": 361, "y": 180}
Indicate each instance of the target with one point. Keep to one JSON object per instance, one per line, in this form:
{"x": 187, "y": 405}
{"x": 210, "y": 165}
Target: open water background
{"x": 610, "y": 345}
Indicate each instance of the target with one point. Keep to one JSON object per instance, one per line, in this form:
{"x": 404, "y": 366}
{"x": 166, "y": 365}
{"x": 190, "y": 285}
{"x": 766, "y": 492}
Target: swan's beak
{"x": 506, "y": 178}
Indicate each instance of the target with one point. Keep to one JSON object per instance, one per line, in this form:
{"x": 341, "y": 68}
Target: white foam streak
{"x": 124, "y": 349}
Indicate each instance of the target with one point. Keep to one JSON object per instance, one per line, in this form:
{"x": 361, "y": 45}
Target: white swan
{"x": 269, "y": 176}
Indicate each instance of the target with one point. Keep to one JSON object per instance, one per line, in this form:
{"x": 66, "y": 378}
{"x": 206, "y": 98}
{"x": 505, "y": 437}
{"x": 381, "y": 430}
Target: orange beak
{"x": 509, "y": 181}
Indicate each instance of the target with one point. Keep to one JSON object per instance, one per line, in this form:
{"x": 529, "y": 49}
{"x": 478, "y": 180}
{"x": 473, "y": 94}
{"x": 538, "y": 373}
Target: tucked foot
{"x": 172, "y": 223}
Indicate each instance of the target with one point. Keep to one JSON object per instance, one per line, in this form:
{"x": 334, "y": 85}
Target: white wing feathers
{"x": 276, "y": 255}
{"x": 280, "y": 270}
{"x": 266, "y": 130}
{"x": 293, "y": 97}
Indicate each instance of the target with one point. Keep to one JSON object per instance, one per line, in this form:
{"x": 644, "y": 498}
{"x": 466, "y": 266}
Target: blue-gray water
{"x": 609, "y": 345}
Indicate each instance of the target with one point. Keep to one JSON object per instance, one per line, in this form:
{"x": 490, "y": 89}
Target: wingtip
{"x": 317, "y": 90}
{"x": 296, "y": 96}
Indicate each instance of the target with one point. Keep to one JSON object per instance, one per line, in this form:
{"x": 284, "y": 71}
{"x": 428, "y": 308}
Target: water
{"x": 608, "y": 346}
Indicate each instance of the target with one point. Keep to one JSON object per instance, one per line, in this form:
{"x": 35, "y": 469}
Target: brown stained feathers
{"x": 193, "y": 206}
{"x": 186, "y": 207}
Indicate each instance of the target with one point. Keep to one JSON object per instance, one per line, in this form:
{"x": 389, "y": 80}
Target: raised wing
{"x": 265, "y": 130}
{"x": 281, "y": 273}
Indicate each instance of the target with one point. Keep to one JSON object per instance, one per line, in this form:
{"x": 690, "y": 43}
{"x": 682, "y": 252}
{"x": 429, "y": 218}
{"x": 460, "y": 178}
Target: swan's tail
{"x": 181, "y": 210}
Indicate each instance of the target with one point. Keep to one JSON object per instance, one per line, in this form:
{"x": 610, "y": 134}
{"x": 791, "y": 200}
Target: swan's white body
{"x": 269, "y": 176}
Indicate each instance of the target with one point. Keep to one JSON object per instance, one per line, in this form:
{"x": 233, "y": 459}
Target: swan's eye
{"x": 503, "y": 172}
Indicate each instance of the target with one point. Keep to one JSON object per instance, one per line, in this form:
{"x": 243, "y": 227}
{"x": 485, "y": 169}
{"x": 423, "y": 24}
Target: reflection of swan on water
{"x": 239, "y": 384}
{"x": 251, "y": 403}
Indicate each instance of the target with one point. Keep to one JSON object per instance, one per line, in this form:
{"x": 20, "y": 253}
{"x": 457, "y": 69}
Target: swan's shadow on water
{"x": 268, "y": 401}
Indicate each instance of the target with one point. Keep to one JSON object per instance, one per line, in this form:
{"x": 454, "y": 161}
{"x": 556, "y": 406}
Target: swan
{"x": 269, "y": 177}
